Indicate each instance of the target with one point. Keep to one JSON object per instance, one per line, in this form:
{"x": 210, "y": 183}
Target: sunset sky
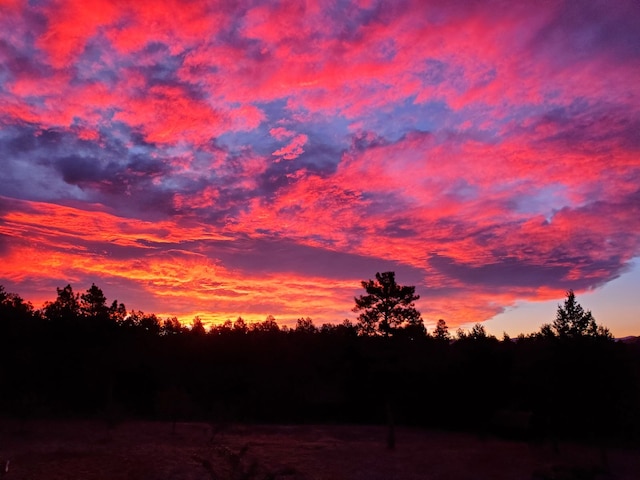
{"x": 249, "y": 158}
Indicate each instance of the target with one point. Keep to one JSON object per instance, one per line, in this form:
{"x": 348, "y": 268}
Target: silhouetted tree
{"x": 386, "y": 306}
{"x": 20, "y": 368}
{"x": 197, "y": 328}
{"x": 570, "y": 386}
{"x": 117, "y": 312}
{"x": 240, "y": 326}
{"x": 573, "y": 321}
{"x": 93, "y": 303}
{"x": 546, "y": 331}
{"x": 221, "y": 329}
{"x": 269, "y": 325}
{"x": 305, "y": 325}
{"x": 13, "y": 306}
{"x": 131, "y": 319}
{"x": 65, "y": 307}
{"x": 461, "y": 334}
{"x": 385, "y": 310}
{"x": 346, "y": 329}
{"x": 171, "y": 326}
{"x": 478, "y": 332}
{"x": 413, "y": 330}
{"x": 441, "y": 331}
{"x": 150, "y": 324}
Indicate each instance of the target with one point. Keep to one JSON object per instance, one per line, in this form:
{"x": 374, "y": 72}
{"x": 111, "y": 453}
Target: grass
{"x": 151, "y": 451}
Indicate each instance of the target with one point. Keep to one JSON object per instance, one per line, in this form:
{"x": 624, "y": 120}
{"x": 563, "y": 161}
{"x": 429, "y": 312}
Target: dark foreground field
{"x": 194, "y": 451}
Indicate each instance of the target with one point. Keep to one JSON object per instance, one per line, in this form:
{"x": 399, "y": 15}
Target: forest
{"x": 80, "y": 356}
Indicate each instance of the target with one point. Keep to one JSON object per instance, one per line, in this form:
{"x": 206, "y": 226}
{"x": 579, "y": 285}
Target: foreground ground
{"x": 194, "y": 451}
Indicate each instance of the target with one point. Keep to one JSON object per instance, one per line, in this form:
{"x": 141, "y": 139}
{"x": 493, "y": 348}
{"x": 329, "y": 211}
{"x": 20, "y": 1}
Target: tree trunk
{"x": 391, "y": 430}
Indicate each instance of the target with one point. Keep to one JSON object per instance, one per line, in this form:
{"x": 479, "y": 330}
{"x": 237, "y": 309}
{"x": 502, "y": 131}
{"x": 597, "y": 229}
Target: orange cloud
{"x": 51, "y": 223}
{"x": 182, "y": 283}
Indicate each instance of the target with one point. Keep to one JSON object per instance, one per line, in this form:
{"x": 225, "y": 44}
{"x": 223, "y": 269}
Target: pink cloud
{"x": 207, "y": 198}
{"x": 384, "y": 59}
{"x": 294, "y": 149}
{"x": 245, "y": 118}
{"x": 281, "y": 133}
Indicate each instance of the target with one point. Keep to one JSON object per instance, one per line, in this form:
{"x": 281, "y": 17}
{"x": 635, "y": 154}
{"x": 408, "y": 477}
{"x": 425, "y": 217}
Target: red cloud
{"x": 70, "y": 25}
{"x": 168, "y": 115}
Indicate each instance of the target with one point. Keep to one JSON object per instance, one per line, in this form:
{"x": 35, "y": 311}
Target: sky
{"x": 257, "y": 158}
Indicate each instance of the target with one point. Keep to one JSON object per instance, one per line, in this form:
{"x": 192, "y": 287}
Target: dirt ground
{"x": 197, "y": 451}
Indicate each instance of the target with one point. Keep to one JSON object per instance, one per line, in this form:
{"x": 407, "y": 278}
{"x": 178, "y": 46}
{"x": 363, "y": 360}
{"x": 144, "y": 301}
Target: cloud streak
{"x": 264, "y": 157}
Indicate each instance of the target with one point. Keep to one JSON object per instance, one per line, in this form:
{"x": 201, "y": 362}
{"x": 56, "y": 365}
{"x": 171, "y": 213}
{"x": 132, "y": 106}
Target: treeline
{"x": 83, "y": 356}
